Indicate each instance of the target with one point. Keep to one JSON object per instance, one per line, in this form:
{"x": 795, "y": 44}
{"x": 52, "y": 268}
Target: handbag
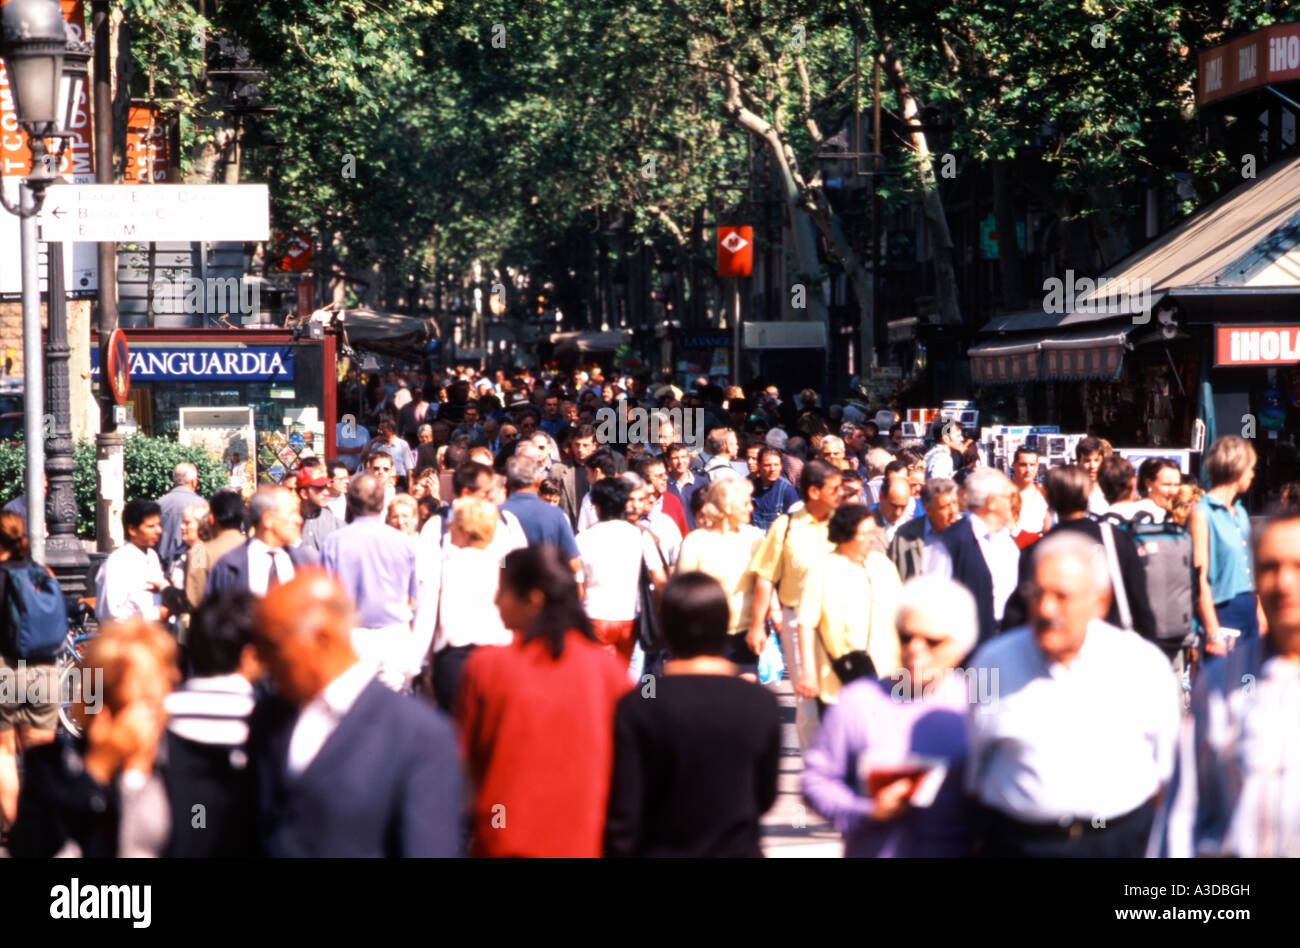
{"x": 649, "y": 633}
{"x": 855, "y": 664}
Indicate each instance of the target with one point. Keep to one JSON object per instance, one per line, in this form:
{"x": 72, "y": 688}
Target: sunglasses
{"x": 904, "y": 638}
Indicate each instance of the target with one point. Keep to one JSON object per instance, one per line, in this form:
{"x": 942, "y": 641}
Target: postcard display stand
{"x": 281, "y": 449}
{"x": 222, "y": 431}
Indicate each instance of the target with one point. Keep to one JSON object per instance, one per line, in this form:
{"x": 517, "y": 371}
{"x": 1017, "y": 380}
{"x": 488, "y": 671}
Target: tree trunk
{"x": 945, "y": 275}
{"x": 802, "y": 230}
{"x": 828, "y": 223}
{"x": 1009, "y": 264}
{"x": 1107, "y": 227}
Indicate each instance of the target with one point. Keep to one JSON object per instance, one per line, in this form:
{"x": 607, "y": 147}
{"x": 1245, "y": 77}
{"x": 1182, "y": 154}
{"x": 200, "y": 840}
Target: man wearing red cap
{"x": 318, "y": 521}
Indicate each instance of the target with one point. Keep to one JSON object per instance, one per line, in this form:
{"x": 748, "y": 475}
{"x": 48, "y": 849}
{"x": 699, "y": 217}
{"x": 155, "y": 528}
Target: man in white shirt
{"x": 718, "y": 459}
{"x": 1088, "y": 452}
{"x": 940, "y": 461}
{"x": 600, "y": 466}
{"x": 642, "y": 501}
{"x": 612, "y": 551}
{"x": 337, "y": 503}
{"x": 381, "y": 465}
{"x": 1035, "y": 518}
{"x": 131, "y": 581}
{"x": 1078, "y": 735}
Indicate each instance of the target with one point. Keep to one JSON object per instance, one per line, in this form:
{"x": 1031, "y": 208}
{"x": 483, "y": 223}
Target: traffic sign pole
{"x": 33, "y": 378}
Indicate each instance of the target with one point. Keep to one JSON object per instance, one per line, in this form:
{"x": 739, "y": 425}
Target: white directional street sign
{"x": 155, "y": 212}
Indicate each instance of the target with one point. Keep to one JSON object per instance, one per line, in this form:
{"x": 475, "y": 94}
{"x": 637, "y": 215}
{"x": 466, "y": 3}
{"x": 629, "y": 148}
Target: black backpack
{"x": 1165, "y": 550}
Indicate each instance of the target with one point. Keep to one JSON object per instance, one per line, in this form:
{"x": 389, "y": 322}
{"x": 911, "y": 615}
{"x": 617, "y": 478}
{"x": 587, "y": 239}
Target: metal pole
{"x": 735, "y": 330}
{"x": 33, "y": 375}
{"x": 64, "y": 553}
{"x": 108, "y": 443}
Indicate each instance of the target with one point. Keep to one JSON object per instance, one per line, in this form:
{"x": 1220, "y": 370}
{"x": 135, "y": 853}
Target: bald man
{"x": 342, "y": 766}
{"x": 894, "y": 510}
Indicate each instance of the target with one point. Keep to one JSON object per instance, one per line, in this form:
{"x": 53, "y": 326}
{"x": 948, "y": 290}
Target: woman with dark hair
{"x": 536, "y": 718}
{"x": 970, "y": 460}
{"x": 696, "y": 768}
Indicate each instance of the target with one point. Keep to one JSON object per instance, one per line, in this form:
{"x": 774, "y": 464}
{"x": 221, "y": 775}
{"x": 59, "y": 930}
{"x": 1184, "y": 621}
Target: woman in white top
{"x": 723, "y": 548}
{"x": 456, "y": 599}
{"x": 612, "y": 551}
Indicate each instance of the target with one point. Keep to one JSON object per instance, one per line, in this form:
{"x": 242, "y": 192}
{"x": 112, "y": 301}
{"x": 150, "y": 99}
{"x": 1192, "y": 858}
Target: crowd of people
{"x": 493, "y": 628}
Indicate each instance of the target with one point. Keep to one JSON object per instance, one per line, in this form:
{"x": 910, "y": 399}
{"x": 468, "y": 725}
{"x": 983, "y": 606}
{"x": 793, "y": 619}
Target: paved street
{"x": 790, "y": 829}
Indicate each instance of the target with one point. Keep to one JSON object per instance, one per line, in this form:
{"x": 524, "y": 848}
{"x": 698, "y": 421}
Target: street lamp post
{"x": 33, "y": 44}
{"x": 63, "y": 551}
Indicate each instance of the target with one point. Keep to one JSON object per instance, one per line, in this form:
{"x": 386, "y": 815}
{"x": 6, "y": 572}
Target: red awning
{"x": 1062, "y": 357}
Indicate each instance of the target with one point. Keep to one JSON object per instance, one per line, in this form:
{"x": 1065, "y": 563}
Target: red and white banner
{"x": 146, "y": 147}
{"x": 1256, "y": 345}
{"x": 735, "y": 251}
{"x": 1250, "y": 62}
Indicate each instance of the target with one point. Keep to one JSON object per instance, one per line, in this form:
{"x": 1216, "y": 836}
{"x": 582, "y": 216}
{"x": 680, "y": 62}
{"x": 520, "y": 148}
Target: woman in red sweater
{"x": 536, "y": 719}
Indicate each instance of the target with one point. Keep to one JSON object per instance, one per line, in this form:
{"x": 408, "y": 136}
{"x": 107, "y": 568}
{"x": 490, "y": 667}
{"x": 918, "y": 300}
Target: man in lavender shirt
{"x": 376, "y": 565}
{"x": 909, "y": 731}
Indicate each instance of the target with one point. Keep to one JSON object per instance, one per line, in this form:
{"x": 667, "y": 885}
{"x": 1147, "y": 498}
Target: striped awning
{"x": 1061, "y": 357}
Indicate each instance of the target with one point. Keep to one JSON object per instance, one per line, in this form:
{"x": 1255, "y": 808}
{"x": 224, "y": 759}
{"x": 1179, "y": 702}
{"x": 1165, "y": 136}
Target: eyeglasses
{"x": 906, "y": 637}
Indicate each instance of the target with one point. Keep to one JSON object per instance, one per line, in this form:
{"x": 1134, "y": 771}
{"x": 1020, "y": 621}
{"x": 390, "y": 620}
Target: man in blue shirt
{"x": 682, "y": 481}
{"x": 552, "y": 422}
{"x": 773, "y": 494}
{"x": 543, "y": 524}
{"x": 376, "y": 566}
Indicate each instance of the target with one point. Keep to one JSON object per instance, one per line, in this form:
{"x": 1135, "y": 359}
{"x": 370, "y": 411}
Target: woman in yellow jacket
{"x": 846, "y": 613}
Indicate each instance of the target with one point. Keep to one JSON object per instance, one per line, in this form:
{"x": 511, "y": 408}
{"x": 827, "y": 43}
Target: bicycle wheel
{"x": 70, "y": 681}
{"x": 69, "y": 696}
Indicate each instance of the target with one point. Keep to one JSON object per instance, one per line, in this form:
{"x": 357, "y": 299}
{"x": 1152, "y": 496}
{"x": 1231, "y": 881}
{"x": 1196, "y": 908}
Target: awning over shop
{"x": 1060, "y": 357}
{"x": 590, "y": 341}
{"x": 399, "y": 337}
{"x": 1246, "y": 245}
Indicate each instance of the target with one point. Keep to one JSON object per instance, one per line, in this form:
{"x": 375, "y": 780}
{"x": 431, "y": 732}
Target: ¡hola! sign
{"x": 1256, "y": 345}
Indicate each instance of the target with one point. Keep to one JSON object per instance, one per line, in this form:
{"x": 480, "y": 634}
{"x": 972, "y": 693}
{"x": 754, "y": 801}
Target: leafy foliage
{"x": 147, "y": 466}
{"x": 490, "y": 130}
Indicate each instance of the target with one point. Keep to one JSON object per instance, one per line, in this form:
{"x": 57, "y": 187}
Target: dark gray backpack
{"x": 1165, "y": 550}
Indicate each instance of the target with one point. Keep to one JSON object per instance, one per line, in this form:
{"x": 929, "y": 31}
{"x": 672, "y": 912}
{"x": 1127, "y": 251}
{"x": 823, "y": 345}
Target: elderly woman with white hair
{"x": 887, "y": 765}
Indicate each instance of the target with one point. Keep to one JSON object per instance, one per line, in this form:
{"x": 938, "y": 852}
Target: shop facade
{"x": 1210, "y": 346}
{"x": 268, "y": 397}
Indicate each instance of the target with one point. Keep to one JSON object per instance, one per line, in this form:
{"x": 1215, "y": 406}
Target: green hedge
{"x": 147, "y": 465}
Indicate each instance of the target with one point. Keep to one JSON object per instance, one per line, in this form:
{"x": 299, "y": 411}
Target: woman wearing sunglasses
{"x": 888, "y": 763}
